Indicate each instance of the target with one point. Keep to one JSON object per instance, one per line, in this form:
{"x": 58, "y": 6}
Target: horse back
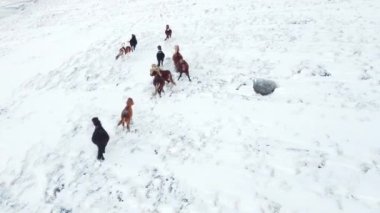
{"x": 165, "y": 74}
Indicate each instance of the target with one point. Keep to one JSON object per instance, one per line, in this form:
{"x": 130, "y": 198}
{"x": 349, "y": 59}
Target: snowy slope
{"x": 205, "y": 146}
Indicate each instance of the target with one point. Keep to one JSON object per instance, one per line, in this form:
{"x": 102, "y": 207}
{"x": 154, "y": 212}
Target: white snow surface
{"x": 210, "y": 145}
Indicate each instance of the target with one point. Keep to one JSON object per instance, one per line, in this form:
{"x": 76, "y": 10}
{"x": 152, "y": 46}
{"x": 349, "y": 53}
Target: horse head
{"x": 155, "y": 70}
{"x": 130, "y": 102}
{"x": 176, "y": 48}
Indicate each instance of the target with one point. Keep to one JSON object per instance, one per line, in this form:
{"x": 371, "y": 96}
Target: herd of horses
{"x": 160, "y": 77}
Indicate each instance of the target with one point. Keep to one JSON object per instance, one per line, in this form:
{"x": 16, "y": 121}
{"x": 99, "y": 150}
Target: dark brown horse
{"x": 168, "y": 32}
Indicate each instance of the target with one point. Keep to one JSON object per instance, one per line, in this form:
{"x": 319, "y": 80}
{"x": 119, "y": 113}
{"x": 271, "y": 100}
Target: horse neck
{"x": 178, "y": 55}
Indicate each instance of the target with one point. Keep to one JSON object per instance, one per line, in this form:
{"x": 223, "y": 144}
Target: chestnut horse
{"x": 126, "y": 114}
{"x": 123, "y": 51}
{"x": 183, "y": 68}
{"x": 127, "y": 50}
{"x": 176, "y": 58}
{"x": 159, "y": 83}
{"x": 165, "y": 74}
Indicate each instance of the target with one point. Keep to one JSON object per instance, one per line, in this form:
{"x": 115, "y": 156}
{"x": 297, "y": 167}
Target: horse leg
{"x": 171, "y": 79}
{"x": 121, "y": 122}
{"x": 179, "y": 76}
{"x": 124, "y": 122}
{"x": 161, "y": 89}
{"x": 188, "y": 76}
{"x": 128, "y": 122}
{"x": 167, "y": 79}
{"x": 156, "y": 89}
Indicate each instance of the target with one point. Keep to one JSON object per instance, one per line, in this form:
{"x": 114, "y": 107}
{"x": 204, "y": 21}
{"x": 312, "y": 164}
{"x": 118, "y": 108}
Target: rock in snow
{"x": 263, "y": 86}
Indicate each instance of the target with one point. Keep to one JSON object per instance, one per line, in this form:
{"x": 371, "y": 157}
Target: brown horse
{"x": 123, "y": 51}
{"x": 159, "y": 83}
{"x": 183, "y": 68}
{"x": 165, "y": 74}
{"x": 176, "y": 58}
{"x": 127, "y": 50}
{"x": 126, "y": 114}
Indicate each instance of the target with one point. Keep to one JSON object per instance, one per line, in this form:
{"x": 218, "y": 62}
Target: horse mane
{"x": 157, "y": 70}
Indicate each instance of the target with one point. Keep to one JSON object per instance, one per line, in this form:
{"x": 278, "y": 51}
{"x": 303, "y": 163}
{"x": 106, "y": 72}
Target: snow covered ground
{"x": 205, "y": 146}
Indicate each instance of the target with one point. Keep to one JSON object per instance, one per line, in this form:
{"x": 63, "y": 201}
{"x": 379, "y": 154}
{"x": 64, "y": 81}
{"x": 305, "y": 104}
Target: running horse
{"x": 176, "y": 58}
{"x": 160, "y": 76}
{"x": 165, "y": 74}
{"x": 126, "y": 114}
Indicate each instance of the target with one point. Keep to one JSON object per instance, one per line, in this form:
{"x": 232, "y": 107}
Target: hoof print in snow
{"x": 321, "y": 165}
{"x": 3, "y": 111}
{"x": 63, "y": 210}
{"x": 242, "y": 84}
{"x": 263, "y": 86}
{"x": 322, "y": 73}
{"x": 365, "y": 168}
{"x": 50, "y": 197}
{"x": 58, "y": 189}
{"x": 309, "y": 69}
{"x": 365, "y": 76}
{"x": 120, "y": 196}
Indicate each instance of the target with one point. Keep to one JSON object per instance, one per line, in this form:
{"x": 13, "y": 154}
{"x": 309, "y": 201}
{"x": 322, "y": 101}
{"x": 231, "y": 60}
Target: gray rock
{"x": 263, "y": 86}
